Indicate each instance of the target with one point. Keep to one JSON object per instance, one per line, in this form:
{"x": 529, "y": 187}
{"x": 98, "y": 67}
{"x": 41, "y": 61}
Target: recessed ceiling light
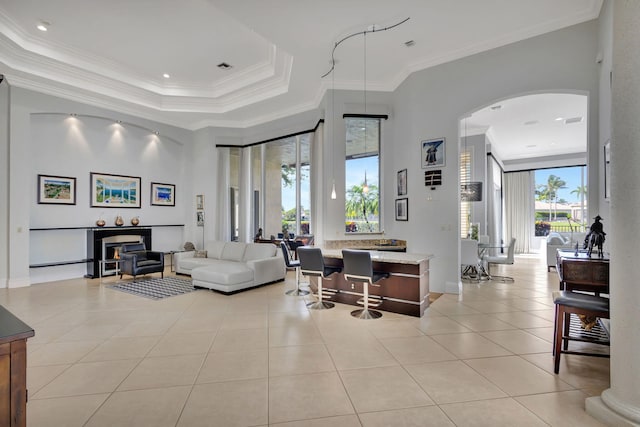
{"x": 224, "y": 66}
{"x": 43, "y": 25}
{"x": 558, "y": 119}
{"x": 532, "y": 146}
{"x": 166, "y": 76}
{"x": 496, "y": 107}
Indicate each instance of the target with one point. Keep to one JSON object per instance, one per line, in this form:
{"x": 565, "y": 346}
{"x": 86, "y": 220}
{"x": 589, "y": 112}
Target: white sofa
{"x": 232, "y": 266}
{"x": 557, "y": 241}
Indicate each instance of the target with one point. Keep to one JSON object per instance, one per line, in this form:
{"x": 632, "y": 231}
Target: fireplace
{"x": 103, "y": 244}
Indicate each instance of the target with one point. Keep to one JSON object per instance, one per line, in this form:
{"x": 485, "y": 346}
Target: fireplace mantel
{"x": 95, "y": 246}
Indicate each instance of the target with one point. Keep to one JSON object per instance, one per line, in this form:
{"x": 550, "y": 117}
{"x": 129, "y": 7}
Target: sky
{"x": 571, "y": 175}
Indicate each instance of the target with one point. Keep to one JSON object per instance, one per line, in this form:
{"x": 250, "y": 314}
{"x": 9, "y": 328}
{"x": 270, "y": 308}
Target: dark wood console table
{"x": 13, "y": 369}
{"x": 582, "y": 273}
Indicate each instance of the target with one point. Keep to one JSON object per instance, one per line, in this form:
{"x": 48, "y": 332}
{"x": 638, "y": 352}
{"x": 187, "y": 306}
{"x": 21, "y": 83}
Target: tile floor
{"x": 102, "y": 357}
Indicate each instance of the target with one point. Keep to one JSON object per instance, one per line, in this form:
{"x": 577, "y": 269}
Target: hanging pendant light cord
{"x": 373, "y": 30}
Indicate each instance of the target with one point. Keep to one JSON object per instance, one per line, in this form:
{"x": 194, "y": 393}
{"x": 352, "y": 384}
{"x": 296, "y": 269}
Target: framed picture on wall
{"x": 402, "y": 182}
{"x": 199, "y": 201}
{"x": 402, "y": 209}
{"x": 432, "y": 152}
{"x": 163, "y": 194}
{"x": 56, "y": 190}
{"x": 200, "y": 218}
{"x": 115, "y": 191}
{"x": 607, "y": 170}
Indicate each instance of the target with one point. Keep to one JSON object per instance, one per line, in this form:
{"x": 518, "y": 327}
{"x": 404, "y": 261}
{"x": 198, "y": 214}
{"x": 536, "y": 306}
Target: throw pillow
{"x": 200, "y": 254}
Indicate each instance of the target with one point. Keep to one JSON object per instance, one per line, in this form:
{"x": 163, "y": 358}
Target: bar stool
{"x": 312, "y": 264}
{"x": 295, "y": 265}
{"x": 582, "y": 304}
{"x": 358, "y": 267}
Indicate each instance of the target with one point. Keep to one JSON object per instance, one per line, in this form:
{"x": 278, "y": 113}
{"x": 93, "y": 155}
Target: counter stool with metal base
{"x": 295, "y": 264}
{"x": 312, "y": 264}
{"x": 581, "y": 304}
{"x": 358, "y": 267}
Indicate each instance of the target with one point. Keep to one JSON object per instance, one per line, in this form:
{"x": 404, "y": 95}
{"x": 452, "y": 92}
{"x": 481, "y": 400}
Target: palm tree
{"x": 554, "y": 183}
{"x": 360, "y": 204}
{"x": 544, "y": 193}
{"x": 580, "y": 191}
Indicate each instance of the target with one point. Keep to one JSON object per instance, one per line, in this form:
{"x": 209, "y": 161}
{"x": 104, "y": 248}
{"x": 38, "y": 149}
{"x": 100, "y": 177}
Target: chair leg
{"x": 320, "y": 305}
{"x": 297, "y": 291}
{"x": 557, "y": 340}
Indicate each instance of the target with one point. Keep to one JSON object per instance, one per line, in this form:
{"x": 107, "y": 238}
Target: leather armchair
{"x": 135, "y": 259}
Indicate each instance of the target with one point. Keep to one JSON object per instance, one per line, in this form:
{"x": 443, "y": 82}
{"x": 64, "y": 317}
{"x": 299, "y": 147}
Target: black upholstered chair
{"x": 295, "y": 264}
{"x": 312, "y": 264}
{"x": 136, "y": 260}
{"x": 358, "y": 267}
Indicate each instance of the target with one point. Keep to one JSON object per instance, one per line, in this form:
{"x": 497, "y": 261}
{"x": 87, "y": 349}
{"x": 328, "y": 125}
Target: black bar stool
{"x": 295, "y": 265}
{"x": 358, "y": 267}
{"x": 312, "y": 264}
{"x": 582, "y": 304}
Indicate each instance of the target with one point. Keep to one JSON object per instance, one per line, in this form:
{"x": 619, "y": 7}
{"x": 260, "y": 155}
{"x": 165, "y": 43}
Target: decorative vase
{"x": 101, "y": 222}
{"x": 119, "y": 221}
{"x": 135, "y": 220}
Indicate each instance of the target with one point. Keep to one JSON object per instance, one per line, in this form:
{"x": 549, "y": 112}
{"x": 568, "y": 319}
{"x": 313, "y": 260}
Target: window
{"x": 561, "y": 200}
{"x": 465, "y": 206}
{"x": 362, "y": 173}
{"x": 287, "y": 186}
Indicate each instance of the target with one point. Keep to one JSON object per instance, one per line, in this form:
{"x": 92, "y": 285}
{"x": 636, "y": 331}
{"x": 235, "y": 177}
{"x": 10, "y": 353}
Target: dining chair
{"x": 505, "y": 260}
{"x": 470, "y": 264}
{"x": 295, "y": 264}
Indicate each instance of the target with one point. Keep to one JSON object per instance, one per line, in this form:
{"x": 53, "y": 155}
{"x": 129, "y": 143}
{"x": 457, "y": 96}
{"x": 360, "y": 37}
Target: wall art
{"x": 56, "y": 190}
{"x": 115, "y": 191}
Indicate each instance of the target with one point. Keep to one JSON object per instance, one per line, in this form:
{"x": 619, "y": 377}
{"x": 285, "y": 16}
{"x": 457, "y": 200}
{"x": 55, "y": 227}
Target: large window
{"x": 561, "y": 200}
{"x": 362, "y": 173}
{"x": 287, "y": 186}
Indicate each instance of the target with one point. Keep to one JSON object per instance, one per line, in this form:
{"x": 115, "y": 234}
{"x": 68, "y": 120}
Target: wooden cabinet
{"x": 582, "y": 273}
{"x": 13, "y": 369}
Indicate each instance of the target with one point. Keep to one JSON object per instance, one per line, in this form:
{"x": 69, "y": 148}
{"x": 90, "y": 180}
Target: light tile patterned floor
{"x": 106, "y": 358}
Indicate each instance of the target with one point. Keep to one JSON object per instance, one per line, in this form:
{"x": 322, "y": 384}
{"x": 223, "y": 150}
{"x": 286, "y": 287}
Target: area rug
{"x": 156, "y": 288}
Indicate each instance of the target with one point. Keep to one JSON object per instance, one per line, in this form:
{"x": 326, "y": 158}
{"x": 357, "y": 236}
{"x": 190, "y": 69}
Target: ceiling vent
{"x": 224, "y": 66}
{"x": 573, "y": 120}
{"x": 531, "y": 122}
{"x": 409, "y": 43}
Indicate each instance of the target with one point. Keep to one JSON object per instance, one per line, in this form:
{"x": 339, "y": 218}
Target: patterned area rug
{"x": 156, "y": 288}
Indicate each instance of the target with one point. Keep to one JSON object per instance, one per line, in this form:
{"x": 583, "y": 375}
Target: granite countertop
{"x": 12, "y": 328}
{"x": 384, "y": 256}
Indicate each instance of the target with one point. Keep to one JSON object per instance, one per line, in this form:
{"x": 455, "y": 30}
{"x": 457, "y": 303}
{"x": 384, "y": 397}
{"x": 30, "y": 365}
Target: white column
{"x": 620, "y": 404}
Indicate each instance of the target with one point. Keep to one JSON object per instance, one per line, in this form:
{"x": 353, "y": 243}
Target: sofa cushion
{"x": 214, "y": 249}
{"x": 555, "y": 241}
{"x": 259, "y": 251}
{"x": 233, "y": 251}
{"x": 228, "y": 273}
{"x": 191, "y": 263}
{"x": 200, "y": 254}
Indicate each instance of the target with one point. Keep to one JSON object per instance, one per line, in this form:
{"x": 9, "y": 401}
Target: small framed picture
{"x": 199, "y": 201}
{"x": 402, "y": 182}
{"x": 200, "y": 218}
{"x": 163, "y": 194}
{"x": 432, "y": 152}
{"x": 56, "y": 190}
{"x": 607, "y": 170}
{"x": 402, "y": 209}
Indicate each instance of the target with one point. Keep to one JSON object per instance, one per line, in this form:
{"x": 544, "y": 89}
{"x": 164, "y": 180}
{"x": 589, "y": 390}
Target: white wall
{"x": 429, "y": 104}
{"x": 4, "y": 182}
{"x": 45, "y": 139}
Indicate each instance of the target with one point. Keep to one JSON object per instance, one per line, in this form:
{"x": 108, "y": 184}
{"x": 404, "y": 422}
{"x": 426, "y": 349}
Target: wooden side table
{"x": 13, "y": 369}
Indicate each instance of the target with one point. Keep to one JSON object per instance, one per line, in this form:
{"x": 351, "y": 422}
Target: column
{"x": 620, "y": 404}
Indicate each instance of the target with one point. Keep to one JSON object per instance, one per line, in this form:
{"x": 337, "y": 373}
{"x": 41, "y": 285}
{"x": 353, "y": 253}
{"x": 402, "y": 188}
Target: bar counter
{"x": 406, "y": 291}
